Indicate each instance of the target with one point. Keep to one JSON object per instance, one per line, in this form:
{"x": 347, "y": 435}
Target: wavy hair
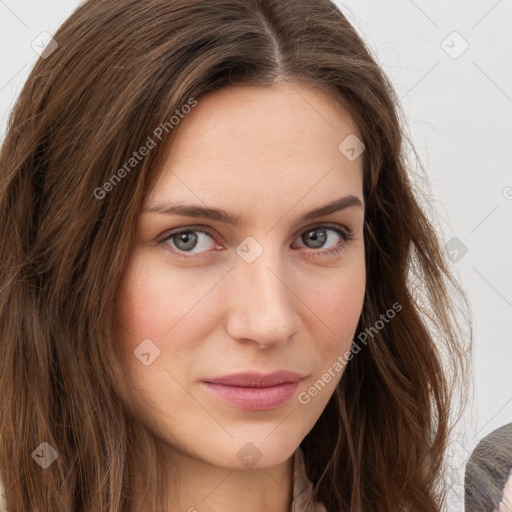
{"x": 122, "y": 68}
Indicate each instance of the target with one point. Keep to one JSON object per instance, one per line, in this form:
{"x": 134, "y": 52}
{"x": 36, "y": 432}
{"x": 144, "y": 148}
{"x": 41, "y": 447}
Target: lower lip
{"x": 254, "y": 399}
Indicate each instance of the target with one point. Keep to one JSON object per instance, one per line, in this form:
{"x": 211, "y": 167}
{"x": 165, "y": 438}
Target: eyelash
{"x": 344, "y": 233}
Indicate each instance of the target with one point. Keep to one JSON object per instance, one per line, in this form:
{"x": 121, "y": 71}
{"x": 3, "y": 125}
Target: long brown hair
{"x": 68, "y": 214}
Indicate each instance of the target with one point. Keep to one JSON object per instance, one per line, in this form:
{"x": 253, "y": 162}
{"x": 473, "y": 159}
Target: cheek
{"x": 152, "y": 301}
{"x": 338, "y": 302}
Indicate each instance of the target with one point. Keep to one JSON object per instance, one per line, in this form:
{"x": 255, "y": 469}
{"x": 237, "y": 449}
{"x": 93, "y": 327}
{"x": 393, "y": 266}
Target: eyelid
{"x": 342, "y": 230}
{"x": 202, "y": 229}
{"x": 209, "y": 231}
{"x": 326, "y": 224}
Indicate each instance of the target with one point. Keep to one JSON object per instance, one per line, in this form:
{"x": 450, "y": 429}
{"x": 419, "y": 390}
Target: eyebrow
{"x": 217, "y": 214}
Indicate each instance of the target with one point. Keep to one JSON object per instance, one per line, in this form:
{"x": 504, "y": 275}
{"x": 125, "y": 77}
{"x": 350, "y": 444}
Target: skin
{"x": 269, "y": 155}
{"x": 506, "y": 501}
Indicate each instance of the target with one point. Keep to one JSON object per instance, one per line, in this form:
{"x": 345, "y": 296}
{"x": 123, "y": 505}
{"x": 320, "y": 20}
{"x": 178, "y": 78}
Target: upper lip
{"x": 257, "y": 380}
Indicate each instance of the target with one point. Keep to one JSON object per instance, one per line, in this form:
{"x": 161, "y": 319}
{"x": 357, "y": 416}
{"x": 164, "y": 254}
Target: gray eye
{"x": 185, "y": 240}
{"x": 318, "y": 240}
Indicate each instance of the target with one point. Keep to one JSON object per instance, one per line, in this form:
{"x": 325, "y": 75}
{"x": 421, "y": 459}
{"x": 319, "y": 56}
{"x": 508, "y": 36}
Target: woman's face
{"x": 268, "y": 294}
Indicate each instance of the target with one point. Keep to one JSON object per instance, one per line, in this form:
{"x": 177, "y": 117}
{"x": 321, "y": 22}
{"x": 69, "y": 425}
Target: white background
{"x": 459, "y": 112}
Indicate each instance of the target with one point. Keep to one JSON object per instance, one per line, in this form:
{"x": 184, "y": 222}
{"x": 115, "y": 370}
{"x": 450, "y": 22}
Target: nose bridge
{"x": 264, "y": 306}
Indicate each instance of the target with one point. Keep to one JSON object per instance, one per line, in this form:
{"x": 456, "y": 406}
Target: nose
{"x": 264, "y": 307}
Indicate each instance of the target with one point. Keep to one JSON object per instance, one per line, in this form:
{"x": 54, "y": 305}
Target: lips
{"x": 253, "y": 391}
{"x": 257, "y": 380}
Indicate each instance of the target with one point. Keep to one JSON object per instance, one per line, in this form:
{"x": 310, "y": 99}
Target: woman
{"x": 220, "y": 290}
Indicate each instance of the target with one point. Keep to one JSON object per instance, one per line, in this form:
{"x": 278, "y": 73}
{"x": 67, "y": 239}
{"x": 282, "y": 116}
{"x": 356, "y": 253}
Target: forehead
{"x": 251, "y": 144}
{"x": 285, "y": 116}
